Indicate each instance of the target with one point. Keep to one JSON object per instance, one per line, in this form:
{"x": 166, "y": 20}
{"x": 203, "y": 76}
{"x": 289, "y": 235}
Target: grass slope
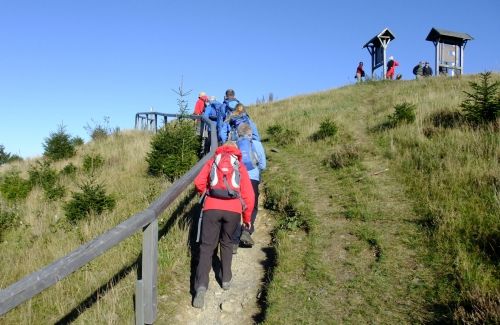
{"x": 408, "y": 233}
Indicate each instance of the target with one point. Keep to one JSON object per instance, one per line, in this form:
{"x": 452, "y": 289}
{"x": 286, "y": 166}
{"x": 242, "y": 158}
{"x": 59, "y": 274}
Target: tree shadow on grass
{"x": 178, "y": 214}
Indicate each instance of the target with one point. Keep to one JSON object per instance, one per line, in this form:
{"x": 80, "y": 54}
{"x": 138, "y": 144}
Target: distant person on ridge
{"x": 391, "y": 67}
{"x": 427, "y": 70}
{"x": 228, "y": 197}
{"x": 360, "y": 73}
{"x": 254, "y": 159}
{"x": 418, "y": 70}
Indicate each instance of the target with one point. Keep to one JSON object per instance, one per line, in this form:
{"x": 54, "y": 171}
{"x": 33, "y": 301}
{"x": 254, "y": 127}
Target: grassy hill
{"x": 379, "y": 223}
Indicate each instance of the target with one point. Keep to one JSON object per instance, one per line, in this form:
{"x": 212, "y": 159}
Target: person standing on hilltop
{"x": 418, "y": 70}
{"x": 360, "y": 73}
{"x": 427, "y": 70}
{"x": 391, "y": 68}
{"x": 228, "y": 197}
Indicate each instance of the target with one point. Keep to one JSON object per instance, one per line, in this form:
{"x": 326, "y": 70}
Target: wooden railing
{"x": 147, "y": 220}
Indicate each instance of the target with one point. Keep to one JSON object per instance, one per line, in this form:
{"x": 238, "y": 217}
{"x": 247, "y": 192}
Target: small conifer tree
{"x": 59, "y": 145}
{"x": 482, "y": 105}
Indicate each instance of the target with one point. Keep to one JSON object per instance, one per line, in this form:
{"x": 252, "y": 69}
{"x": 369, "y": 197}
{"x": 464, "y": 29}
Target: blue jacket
{"x": 224, "y": 129}
{"x": 261, "y": 160}
{"x": 212, "y": 111}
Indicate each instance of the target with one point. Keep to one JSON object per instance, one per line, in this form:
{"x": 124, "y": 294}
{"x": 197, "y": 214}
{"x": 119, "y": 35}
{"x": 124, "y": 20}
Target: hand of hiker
{"x": 246, "y": 225}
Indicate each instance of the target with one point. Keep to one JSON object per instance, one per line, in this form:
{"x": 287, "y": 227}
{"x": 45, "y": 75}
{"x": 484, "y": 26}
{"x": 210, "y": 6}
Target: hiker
{"x": 228, "y": 106}
{"x": 360, "y": 73}
{"x": 229, "y": 128}
{"x": 254, "y": 159}
{"x": 212, "y": 111}
{"x": 427, "y": 70}
{"x": 418, "y": 70}
{"x": 199, "y": 107}
{"x": 391, "y": 68}
{"x": 225, "y": 203}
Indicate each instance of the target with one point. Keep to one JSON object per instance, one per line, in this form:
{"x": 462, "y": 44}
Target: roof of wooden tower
{"x": 375, "y": 41}
{"x": 448, "y": 37}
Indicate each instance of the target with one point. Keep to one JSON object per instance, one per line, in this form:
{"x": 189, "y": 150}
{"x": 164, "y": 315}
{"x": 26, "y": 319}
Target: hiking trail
{"x": 239, "y": 304}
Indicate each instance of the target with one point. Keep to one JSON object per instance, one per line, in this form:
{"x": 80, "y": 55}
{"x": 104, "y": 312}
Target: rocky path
{"x": 239, "y": 305}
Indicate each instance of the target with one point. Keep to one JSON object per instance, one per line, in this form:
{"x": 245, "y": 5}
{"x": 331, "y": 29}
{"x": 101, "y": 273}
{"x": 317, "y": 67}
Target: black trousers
{"x": 217, "y": 225}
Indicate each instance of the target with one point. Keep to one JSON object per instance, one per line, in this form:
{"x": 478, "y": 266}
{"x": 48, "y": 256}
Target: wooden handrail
{"x": 31, "y": 285}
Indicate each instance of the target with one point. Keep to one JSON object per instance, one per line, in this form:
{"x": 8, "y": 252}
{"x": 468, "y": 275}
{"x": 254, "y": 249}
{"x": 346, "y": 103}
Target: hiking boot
{"x": 199, "y": 298}
{"x": 226, "y": 285}
{"x": 246, "y": 239}
{"x": 235, "y": 248}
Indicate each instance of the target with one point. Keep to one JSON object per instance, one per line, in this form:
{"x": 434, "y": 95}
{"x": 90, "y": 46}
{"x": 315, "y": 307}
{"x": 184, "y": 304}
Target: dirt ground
{"x": 240, "y": 304}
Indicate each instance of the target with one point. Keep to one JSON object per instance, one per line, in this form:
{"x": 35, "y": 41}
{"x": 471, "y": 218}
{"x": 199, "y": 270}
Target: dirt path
{"x": 238, "y": 305}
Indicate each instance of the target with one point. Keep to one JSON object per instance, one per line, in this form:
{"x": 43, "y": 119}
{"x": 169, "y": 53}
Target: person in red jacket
{"x": 199, "y": 107}
{"x": 391, "y": 68}
{"x": 220, "y": 219}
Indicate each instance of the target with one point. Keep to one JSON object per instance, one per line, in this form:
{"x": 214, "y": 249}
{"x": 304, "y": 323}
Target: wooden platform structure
{"x": 449, "y": 54}
{"x": 151, "y": 121}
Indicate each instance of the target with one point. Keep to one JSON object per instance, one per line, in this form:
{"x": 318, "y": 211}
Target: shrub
{"x": 404, "y": 113}
{"x": 482, "y": 105}
{"x": 69, "y": 170}
{"x": 282, "y": 136}
{"x": 274, "y": 130}
{"x": 174, "y": 150}
{"x": 13, "y": 187}
{"x": 91, "y": 163}
{"x": 327, "y": 129}
{"x": 59, "y": 145}
{"x": 6, "y": 157}
{"x": 92, "y": 200}
{"x": 8, "y": 218}
{"x": 99, "y": 130}
{"x": 77, "y": 141}
{"x": 47, "y": 178}
{"x": 344, "y": 156}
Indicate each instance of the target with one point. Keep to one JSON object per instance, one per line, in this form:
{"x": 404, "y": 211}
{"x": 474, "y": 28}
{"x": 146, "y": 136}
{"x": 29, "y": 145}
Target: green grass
{"x": 417, "y": 209}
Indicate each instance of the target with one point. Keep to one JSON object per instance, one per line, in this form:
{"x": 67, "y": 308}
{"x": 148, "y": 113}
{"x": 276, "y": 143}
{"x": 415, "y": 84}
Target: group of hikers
{"x": 422, "y": 69}
{"x": 229, "y": 188}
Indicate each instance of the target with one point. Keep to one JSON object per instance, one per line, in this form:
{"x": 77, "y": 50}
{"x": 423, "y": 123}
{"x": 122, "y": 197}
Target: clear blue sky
{"x": 70, "y": 62}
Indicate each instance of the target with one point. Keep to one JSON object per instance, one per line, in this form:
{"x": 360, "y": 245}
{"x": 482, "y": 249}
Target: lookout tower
{"x": 377, "y": 47}
{"x": 449, "y": 51}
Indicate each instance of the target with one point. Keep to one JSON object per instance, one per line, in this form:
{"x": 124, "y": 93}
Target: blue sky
{"x": 74, "y": 62}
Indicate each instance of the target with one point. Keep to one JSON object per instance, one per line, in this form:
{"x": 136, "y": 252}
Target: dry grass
{"x": 45, "y": 236}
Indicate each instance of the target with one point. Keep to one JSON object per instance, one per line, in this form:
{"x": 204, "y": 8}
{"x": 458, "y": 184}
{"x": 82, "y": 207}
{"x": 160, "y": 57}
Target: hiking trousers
{"x": 237, "y": 233}
{"x": 217, "y": 225}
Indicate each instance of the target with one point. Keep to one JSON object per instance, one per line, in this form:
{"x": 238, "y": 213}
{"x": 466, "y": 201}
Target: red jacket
{"x": 234, "y": 205}
{"x": 199, "y": 107}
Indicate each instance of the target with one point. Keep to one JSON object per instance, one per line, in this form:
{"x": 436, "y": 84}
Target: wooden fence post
{"x": 150, "y": 271}
{"x": 139, "y": 303}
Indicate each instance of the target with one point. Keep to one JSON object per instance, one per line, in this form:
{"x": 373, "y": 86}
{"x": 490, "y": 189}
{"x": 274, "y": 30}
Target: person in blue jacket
{"x": 254, "y": 158}
{"x": 228, "y": 129}
{"x": 227, "y": 108}
{"x": 212, "y": 112}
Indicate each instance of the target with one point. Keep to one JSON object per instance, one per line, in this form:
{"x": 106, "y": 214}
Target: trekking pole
{"x": 200, "y": 219}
